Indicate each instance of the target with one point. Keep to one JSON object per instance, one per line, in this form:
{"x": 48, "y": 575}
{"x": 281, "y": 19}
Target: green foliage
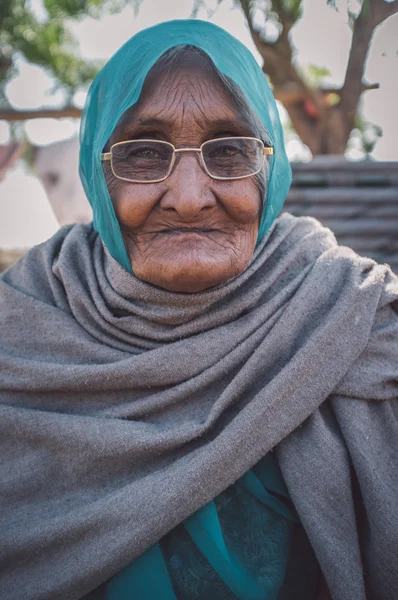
{"x": 46, "y": 41}
{"x": 62, "y": 9}
{"x": 315, "y": 75}
{"x": 369, "y": 133}
{"x": 292, "y": 8}
{"x": 318, "y": 72}
{"x": 198, "y": 5}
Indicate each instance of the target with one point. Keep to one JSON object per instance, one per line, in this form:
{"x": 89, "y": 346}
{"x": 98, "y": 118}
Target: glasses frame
{"x": 267, "y": 151}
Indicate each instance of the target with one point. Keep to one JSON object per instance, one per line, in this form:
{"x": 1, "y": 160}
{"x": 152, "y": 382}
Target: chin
{"x": 189, "y": 277}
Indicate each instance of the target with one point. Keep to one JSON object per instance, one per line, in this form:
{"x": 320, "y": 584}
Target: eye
{"x": 225, "y": 151}
{"x": 145, "y": 153}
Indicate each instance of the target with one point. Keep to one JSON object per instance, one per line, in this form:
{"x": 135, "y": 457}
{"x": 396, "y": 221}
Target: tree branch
{"x": 284, "y": 16}
{"x": 323, "y": 123}
{"x": 373, "y": 12}
{"x": 382, "y": 10}
{"x": 277, "y": 56}
{"x": 44, "y": 113}
{"x": 290, "y": 93}
{"x": 260, "y": 43}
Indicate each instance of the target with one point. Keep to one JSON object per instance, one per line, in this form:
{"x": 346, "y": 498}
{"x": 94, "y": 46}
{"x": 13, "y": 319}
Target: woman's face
{"x": 189, "y": 232}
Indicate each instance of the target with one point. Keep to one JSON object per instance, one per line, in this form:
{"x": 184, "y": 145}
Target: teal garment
{"x": 247, "y": 544}
{"x": 118, "y": 86}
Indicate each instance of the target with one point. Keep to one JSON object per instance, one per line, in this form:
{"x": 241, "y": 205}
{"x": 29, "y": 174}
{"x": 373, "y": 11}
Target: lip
{"x": 187, "y": 231}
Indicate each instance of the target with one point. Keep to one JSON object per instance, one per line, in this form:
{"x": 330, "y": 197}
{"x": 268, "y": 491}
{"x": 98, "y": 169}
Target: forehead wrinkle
{"x": 188, "y": 104}
{"x": 173, "y": 100}
{"x": 184, "y": 95}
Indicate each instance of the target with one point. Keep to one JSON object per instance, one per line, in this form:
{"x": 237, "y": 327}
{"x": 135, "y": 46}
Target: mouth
{"x": 187, "y": 231}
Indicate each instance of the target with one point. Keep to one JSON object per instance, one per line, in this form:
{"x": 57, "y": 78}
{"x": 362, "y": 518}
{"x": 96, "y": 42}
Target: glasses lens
{"x": 141, "y": 160}
{"x": 233, "y": 157}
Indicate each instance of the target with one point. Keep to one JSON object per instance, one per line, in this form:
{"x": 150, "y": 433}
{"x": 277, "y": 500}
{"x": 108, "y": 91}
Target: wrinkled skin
{"x": 189, "y": 232}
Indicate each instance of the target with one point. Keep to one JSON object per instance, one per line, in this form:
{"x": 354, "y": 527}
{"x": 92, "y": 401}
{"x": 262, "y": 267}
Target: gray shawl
{"x": 125, "y": 408}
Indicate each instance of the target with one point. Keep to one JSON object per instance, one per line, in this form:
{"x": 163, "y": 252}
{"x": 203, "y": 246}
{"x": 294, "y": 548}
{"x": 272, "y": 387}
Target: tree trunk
{"x": 323, "y": 126}
{"x": 327, "y": 133}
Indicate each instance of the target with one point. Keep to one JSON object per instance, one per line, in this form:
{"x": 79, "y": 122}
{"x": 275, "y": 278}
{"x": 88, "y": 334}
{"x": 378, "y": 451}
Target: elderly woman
{"x": 198, "y": 397}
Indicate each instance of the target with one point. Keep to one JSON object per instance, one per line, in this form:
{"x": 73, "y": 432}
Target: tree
{"x": 46, "y": 41}
{"x": 322, "y": 117}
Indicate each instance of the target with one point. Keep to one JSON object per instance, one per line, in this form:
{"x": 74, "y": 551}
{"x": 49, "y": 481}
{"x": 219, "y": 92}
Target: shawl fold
{"x": 125, "y": 407}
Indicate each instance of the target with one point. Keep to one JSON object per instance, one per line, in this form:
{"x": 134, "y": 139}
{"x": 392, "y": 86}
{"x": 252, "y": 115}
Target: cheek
{"x": 242, "y": 200}
{"x": 133, "y": 203}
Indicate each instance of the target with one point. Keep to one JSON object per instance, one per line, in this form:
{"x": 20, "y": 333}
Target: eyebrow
{"x": 220, "y": 124}
{"x": 157, "y": 121}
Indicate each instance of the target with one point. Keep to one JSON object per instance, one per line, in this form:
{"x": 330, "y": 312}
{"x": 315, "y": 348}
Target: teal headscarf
{"x": 118, "y": 86}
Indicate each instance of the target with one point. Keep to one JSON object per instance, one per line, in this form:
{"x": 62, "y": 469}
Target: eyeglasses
{"x": 151, "y": 161}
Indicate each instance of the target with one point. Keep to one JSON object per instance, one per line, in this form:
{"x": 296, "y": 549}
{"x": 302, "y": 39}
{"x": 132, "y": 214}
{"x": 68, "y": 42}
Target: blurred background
{"x": 333, "y": 66}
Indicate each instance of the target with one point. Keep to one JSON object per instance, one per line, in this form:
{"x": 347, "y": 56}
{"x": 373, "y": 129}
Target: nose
{"x": 188, "y": 188}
